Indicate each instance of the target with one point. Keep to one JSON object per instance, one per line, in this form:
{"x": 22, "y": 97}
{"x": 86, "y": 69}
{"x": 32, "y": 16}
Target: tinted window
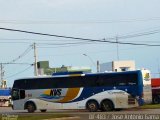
{"x": 117, "y": 79}
{"x": 78, "y": 81}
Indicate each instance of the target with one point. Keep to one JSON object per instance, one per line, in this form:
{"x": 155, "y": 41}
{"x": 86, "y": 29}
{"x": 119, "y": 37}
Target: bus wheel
{"x": 107, "y": 105}
{"x": 92, "y": 106}
{"x": 31, "y": 107}
{"x": 156, "y": 100}
{"x": 43, "y": 110}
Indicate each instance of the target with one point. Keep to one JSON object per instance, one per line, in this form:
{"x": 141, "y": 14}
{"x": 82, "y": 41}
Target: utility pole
{"x": 117, "y": 48}
{"x": 2, "y": 74}
{"x": 35, "y": 60}
{"x": 98, "y": 66}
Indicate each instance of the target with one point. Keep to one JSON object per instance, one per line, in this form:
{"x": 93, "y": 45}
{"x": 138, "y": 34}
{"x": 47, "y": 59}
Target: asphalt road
{"x": 127, "y": 114}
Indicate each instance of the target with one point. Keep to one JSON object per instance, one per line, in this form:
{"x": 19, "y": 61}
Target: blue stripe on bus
{"x": 50, "y": 97}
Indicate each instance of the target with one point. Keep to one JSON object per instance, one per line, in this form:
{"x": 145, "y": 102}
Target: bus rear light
{"x": 131, "y": 100}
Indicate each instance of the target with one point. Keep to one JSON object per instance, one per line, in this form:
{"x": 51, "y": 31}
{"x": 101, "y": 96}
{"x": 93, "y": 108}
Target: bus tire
{"x": 44, "y": 110}
{"x": 107, "y": 105}
{"x": 31, "y": 107}
{"x": 156, "y": 100}
{"x": 92, "y": 106}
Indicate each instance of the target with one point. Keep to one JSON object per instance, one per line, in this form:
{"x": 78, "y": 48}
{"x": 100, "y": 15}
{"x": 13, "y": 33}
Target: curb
{"x": 64, "y": 118}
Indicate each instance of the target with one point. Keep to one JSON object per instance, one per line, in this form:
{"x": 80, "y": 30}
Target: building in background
{"x": 44, "y": 69}
{"x": 118, "y": 66}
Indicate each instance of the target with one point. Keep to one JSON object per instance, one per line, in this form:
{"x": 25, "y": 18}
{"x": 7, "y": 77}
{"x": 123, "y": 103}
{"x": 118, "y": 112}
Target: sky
{"x": 133, "y": 21}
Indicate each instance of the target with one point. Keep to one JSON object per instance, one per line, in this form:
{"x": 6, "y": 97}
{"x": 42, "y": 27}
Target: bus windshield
{"x": 15, "y": 94}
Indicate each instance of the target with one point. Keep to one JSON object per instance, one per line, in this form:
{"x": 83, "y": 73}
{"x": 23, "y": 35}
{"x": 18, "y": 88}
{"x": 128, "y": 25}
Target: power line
{"x": 70, "y": 43}
{"x": 27, "y": 39}
{"x": 21, "y": 55}
{"x": 79, "y": 22}
{"x": 46, "y": 40}
{"x": 140, "y": 34}
{"x": 19, "y": 72}
{"x": 93, "y": 40}
{"x": 14, "y": 42}
{"x": 17, "y": 63}
{"x": 62, "y": 46}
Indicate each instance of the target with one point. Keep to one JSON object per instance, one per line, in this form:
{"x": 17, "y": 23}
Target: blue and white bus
{"x": 92, "y": 91}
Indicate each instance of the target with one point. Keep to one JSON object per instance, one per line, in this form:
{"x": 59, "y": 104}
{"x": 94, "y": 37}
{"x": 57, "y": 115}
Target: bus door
{"x": 18, "y": 94}
{"x": 18, "y": 98}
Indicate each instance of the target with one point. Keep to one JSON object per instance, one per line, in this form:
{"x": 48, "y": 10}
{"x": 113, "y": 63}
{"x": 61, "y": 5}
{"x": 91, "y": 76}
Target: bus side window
{"x": 22, "y": 94}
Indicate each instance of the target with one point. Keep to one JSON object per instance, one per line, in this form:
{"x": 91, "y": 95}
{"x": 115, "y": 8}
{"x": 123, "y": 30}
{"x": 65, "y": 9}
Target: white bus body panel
{"x": 118, "y": 97}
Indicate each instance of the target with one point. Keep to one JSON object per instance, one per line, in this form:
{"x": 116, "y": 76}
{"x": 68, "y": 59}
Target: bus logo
{"x": 55, "y": 92}
{"x": 52, "y": 94}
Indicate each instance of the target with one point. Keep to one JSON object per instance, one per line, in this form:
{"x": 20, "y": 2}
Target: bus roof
{"x": 87, "y": 74}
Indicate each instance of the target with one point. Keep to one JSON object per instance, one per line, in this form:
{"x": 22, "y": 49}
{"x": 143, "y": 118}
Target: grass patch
{"x": 150, "y": 106}
{"x": 36, "y": 117}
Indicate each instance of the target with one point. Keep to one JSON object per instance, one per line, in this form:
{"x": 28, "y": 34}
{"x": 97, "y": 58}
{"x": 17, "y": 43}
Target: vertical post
{"x": 35, "y": 59}
{"x": 158, "y": 68}
{"x": 1, "y": 75}
{"x": 98, "y": 66}
{"x": 117, "y": 48}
